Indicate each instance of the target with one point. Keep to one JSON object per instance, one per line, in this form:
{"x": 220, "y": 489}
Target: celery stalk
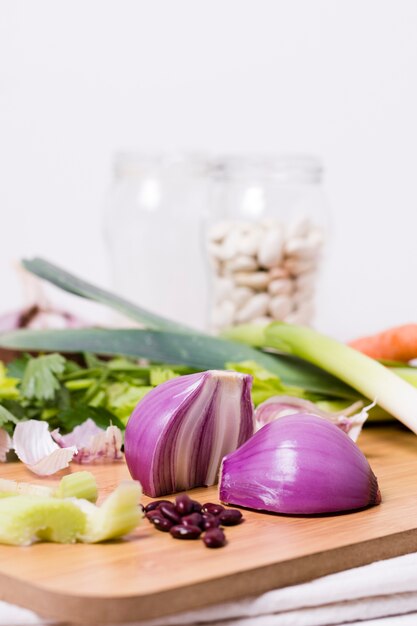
{"x": 24, "y": 519}
{"x": 119, "y": 514}
{"x": 14, "y": 488}
{"x": 364, "y": 374}
{"x": 28, "y": 518}
{"x": 78, "y": 485}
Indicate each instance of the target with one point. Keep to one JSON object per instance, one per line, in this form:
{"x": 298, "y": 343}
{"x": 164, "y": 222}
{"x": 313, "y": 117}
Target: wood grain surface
{"x": 151, "y": 574}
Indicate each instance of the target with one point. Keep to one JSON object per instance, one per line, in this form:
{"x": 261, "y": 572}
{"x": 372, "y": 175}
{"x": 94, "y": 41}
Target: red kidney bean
{"x": 230, "y": 517}
{"x": 185, "y": 532}
{"x": 155, "y": 504}
{"x": 210, "y": 521}
{"x": 162, "y": 523}
{"x": 210, "y": 507}
{"x": 196, "y": 506}
{"x": 170, "y": 512}
{"x": 194, "y": 519}
{"x": 154, "y": 513}
{"x": 184, "y": 504}
{"x": 214, "y": 538}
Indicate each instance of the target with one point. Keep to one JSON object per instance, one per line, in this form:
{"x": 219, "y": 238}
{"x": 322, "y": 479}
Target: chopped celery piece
{"x": 25, "y": 519}
{"x": 117, "y": 516}
{"x": 78, "y": 485}
{"x": 13, "y": 488}
{"x": 28, "y": 518}
{"x": 373, "y": 380}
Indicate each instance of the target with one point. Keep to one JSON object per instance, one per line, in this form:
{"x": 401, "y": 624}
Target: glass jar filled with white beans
{"x": 265, "y": 234}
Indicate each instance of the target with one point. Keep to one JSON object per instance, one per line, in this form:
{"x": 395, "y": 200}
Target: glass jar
{"x": 153, "y": 234}
{"x": 266, "y": 227}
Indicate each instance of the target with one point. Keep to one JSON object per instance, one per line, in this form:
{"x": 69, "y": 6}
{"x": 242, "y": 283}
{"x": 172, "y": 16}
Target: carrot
{"x": 394, "y": 344}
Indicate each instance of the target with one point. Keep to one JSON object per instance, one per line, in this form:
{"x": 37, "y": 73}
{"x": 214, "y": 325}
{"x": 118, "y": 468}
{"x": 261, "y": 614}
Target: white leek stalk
{"x": 364, "y": 374}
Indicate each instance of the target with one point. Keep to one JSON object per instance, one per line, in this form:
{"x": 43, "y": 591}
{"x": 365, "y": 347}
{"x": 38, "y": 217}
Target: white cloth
{"x": 371, "y": 595}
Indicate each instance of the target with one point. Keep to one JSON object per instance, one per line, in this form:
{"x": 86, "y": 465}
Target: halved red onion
{"x": 94, "y": 444}
{"x": 299, "y": 464}
{"x": 180, "y": 431}
{"x": 350, "y": 420}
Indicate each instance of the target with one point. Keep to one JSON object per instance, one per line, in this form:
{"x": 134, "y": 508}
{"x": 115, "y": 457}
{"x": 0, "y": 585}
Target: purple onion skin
{"x": 300, "y": 464}
{"x": 170, "y": 436}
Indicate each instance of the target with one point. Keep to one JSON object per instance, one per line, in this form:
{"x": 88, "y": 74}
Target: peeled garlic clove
{"x": 299, "y": 464}
{"x": 180, "y": 431}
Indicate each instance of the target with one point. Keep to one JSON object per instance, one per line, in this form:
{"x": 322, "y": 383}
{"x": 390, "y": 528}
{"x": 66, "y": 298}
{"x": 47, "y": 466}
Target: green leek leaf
{"x": 72, "y": 284}
{"x": 199, "y": 351}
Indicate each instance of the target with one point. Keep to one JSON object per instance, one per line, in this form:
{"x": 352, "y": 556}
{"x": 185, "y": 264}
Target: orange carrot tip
{"x": 394, "y": 344}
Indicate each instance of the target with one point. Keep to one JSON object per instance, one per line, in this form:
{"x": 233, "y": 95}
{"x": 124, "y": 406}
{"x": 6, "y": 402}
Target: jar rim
{"x": 134, "y": 163}
{"x": 291, "y": 167}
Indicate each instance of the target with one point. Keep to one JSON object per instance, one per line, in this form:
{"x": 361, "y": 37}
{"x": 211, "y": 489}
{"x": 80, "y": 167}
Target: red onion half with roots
{"x": 299, "y": 464}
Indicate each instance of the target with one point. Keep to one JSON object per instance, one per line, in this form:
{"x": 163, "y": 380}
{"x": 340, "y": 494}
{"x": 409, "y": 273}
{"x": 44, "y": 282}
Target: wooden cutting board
{"x": 151, "y": 574}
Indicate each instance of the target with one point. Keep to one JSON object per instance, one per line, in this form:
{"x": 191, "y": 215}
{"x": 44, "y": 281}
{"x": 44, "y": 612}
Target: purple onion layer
{"x": 180, "y": 431}
{"x": 299, "y": 464}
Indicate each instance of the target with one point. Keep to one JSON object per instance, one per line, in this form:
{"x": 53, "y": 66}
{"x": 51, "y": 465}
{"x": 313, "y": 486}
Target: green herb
{"x": 39, "y": 380}
{"x": 8, "y": 384}
{"x": 65, "y": 393}
{"x": 6, "y": 417}
{"x": 265, "y": 384}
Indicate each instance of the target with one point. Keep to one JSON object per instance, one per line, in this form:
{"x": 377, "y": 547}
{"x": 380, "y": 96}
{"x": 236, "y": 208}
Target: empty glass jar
{"x": 153, "y": 233}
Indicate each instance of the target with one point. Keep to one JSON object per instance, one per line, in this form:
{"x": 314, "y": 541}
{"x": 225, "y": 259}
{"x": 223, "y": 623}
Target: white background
{"x": 80, "y": 79}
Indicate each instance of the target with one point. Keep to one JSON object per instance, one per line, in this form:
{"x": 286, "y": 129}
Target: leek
{"x": 367, "y": 376}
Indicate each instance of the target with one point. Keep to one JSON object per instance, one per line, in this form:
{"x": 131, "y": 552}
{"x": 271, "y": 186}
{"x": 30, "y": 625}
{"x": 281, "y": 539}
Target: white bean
{"x": 240, "y": 263}
{"x": 222, "y": 287}
{"x": 280, "y": 307}
{"x": 302, "y": 248}
{"x": 254, "y": 280}
{"x": 280, "y": 286}
{"x": 298, "y": 266}
{"x": 219, "y": 230}
{"x": 299, "y": 226}
{"x": 262, "y": 321}
{"x": 303, "y": 314}
{"x": 257, "y": 306}
{"x": 240, "y": 295}
{"x": 228, "y": 249}
{"x": 271, "y": 248}
{"x": 279, "y": 272}
{"x": 249, "y": 242}
{"x": 295, "y": 317}
{"x": 306, "y": 282}
{"x": 223, "y": 314}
